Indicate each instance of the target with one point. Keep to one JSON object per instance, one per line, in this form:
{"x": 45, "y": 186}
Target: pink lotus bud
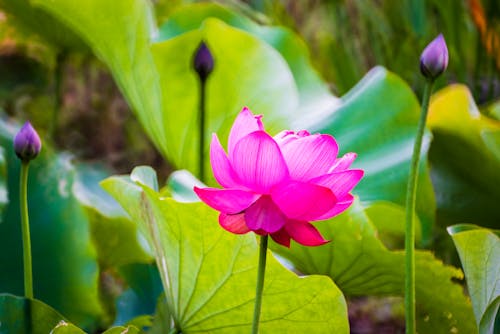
{"x": 27, "y": 143}
{"x": 434, "y": 59}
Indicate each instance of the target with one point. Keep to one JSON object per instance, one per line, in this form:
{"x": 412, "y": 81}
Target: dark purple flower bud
{"x": 203, "y": 61}
{"x": 27, "y": 143}
{"x": 434, "y": 59}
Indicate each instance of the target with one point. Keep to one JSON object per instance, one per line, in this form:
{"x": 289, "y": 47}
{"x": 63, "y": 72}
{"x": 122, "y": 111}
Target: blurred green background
{"x": 51, "y": 77}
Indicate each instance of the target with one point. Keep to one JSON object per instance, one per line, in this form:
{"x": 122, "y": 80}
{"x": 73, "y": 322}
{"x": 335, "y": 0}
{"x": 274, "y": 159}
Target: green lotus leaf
{"x": 209, "y": 275}
{"x": 479, "y": 251}
{"x": 314, "y": 94}
{"x": 22, "y": 315}
{"x": 378, "y": 119}
{"x": 465, "y": 158}
{"x": 115, "y": 237}
{"x": 359, "y": 263}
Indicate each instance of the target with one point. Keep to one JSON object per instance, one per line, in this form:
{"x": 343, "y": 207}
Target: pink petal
{"x": 341, "y": 183}
{"x": 309, "y": 156}
{"x": 343, "y": 163}
{"x": 304, "y": 233}
{"x": 264, "y": 216}
{"x": 234, "y": 223}
{"x": 282, "y": 237}
{"x": 286, "y": 136}
{"x": 244, "y": 124}
{"x": 258, "y": 163}
{"x": 303, "y": 201}
{"x": 343, "y": 204}
{"x": 223, "y": 172}
{"x": 230, "y": 201}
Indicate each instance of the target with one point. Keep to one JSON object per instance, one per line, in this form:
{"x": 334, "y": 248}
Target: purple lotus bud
{"x": 203, "y": 61}
{"x": 27, "y": 143}
{"x": 434, "y": 59}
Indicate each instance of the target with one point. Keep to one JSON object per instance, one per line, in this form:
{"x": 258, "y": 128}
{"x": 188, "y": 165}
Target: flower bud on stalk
{"x": 434, "y": 58}
{"x": 433, "y": 63}
{"x": 203, "y": 62}
{"x": 27, "y": 143}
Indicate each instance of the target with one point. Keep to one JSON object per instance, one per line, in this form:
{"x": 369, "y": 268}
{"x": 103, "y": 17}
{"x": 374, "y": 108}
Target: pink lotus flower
{"x": 276, "y": 185}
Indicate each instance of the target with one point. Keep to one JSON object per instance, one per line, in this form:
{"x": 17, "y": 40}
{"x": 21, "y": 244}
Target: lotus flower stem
{"x": 202, "y": 128}
{"x": 260, "y": 283}
{"x": 411, "y": 194}
{"x": 25, "y": 225}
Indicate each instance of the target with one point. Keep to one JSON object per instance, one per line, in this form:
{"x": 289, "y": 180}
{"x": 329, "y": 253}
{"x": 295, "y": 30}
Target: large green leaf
{"x": 360, "y": 264}
{"x": 479, "y": 251}
{"x": 465, "y": 159}
{"x": 119, "y": 34}
{"x": 378, "y": 119}
{"x": 247, "y": 72}
{"x": 180, "y": 184}
{"x": 22, "y": 315}
{"x": 493, "y": 110}
{"x": 65, "y": 270}
{"x": 114, "y": 235}
{"x": 391, "y": 229}
{"x": 209, "y": 274}
{"x": 314, "y": 95}
{"x": 64, "y": 327}
{"x": 122, "y": 330}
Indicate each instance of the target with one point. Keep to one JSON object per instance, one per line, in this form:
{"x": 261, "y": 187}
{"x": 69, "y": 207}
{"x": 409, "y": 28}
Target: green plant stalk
{"x": 411, "y": 194}
{"x": 202, "y": 128}
{"x": 25, "y": 226}
{"x": 260, "y": 283}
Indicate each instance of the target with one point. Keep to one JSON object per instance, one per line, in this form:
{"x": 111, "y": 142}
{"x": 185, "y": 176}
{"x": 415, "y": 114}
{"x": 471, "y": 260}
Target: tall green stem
{"x": 201, "y": 118}
{"x": 25, "y": 226}
{"x": 260, "y": 283}
{"x": 411, "y": 194}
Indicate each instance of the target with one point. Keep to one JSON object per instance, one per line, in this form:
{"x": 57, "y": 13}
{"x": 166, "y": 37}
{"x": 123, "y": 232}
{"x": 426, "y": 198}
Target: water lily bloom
{"x": 434, "y": 58}
{"x": 27, "y": 143}
{"x": 277, "y": 185}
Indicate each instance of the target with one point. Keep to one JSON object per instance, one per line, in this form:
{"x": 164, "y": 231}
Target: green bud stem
{"x": 25, "y": 226}
{"x": 411, "y": 194}
{"x": 202, "y": 130}
{"x": 260, "y": 283}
